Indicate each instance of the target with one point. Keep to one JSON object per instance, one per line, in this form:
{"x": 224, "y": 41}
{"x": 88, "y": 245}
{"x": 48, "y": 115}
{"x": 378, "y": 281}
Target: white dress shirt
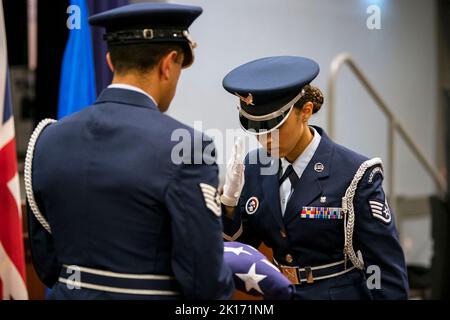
{"x": 299, "y": 167}
{"x": 132, "y": 88}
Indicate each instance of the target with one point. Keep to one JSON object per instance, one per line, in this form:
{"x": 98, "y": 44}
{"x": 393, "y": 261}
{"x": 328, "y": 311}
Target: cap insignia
{"x": 248, "y": 100}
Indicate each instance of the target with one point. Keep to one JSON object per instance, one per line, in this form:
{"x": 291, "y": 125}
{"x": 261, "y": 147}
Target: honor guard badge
{"x": 252, "y": 205}
{"x": 322, "y": 213}
{"x": 380, "y": 210}
{"x": 212, "y": 199}
{"x": 319, "y": 167}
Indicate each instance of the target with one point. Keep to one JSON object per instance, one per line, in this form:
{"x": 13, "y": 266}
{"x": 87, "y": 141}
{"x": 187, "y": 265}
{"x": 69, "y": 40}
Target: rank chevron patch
{"x": 380, "y": 210}
{"x": 212, "y": 199}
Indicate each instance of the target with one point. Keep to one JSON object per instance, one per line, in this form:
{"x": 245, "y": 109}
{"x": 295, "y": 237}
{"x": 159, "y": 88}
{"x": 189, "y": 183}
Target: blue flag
{"x": 77, "y": 84}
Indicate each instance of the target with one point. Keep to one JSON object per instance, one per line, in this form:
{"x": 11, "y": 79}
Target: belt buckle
{"x": 291, "y": 273}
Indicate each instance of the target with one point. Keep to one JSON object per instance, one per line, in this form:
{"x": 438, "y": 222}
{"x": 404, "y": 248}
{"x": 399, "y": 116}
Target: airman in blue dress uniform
{"x": 320, "y": 206}
{"x": 111, "y": 215}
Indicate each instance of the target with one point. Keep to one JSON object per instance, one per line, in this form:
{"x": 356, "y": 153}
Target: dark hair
{"x": 312, "y": 94}
{"x": 141, "y": 57}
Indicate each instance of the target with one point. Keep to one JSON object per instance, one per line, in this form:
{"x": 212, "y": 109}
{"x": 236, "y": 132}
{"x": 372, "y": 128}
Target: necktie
{"x": 289, "y": 173}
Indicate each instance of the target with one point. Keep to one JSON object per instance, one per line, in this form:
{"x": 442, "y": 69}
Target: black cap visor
{"x": 265, "y": 126}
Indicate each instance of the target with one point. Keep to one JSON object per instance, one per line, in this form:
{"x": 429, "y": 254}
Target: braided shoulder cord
{"x": 28, "y": 173}
{"x": 349, "y": 212}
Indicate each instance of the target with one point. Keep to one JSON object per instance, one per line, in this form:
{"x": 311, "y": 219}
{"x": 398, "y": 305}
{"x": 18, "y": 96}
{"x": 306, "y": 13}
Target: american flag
{"x": 12, "y": 264}
{"x": 254, "y": 274}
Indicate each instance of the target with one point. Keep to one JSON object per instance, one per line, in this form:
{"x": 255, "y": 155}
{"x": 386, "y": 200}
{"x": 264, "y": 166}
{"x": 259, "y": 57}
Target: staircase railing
{"x": 394, "y": 125}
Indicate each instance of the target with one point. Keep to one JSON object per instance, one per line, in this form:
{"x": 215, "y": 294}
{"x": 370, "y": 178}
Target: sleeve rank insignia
{"x": 380, "y": 211}
{"x": 212, "y": 199}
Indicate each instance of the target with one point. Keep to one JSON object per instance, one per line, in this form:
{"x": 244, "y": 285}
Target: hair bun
{"x": 314, "y": 95}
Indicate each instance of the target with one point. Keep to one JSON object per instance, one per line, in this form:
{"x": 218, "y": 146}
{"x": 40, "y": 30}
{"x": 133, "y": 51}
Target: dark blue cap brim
{"x": 161, "y": 15}
{"x": 271, "y": 76}
{"x": 272, "y": 82}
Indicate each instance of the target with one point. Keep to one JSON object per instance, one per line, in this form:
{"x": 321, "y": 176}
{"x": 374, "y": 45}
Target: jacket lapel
{"x": 309, "y": 186}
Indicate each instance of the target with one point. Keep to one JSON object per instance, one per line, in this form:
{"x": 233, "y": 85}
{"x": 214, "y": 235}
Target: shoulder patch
{"x": 380, "y": 211}
{"x": 374, "y": 172}
{"x": 252, "y": 205}
{"x": 212, "y": 199}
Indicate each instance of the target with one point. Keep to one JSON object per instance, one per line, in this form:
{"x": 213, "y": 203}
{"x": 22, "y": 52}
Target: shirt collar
{"x": 132, "y": 88}
{"x": 303, "y": 160}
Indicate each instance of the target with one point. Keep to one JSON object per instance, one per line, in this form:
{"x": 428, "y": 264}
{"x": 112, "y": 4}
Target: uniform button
{"x": 283, "y": 234}
{"x": 289, "y": 258}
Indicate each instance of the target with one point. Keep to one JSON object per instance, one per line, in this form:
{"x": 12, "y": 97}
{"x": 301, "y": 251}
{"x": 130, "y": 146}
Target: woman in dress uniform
{"x": 320, "y": 206}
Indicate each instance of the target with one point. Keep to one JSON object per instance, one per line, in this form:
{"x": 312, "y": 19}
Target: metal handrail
{"x": 394, "y": 124}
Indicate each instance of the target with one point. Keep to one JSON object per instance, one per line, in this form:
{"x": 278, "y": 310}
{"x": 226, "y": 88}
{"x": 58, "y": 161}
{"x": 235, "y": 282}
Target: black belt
{"x": 298, "y": 275}
{"x": 76, "y": 277}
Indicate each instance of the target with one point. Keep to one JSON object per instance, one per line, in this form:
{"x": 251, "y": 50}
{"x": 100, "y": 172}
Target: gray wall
{"x": 400, "y": 60}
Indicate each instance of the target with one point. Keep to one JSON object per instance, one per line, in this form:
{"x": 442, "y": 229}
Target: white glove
{"x": 234, "y": 177}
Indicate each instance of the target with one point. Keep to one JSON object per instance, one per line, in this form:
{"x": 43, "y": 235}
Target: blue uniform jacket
{"x": 104, "y": 179}
{"x": 300, "y": 241}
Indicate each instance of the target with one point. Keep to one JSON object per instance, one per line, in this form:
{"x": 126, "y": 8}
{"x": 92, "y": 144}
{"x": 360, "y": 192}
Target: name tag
{"x": 321, "y": 213}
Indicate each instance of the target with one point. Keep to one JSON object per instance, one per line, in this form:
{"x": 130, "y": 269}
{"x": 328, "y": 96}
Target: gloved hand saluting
{"x": 234, "y": 177}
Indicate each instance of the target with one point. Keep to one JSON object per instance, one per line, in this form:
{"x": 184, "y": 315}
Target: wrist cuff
{"x": 228, "y": 201}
